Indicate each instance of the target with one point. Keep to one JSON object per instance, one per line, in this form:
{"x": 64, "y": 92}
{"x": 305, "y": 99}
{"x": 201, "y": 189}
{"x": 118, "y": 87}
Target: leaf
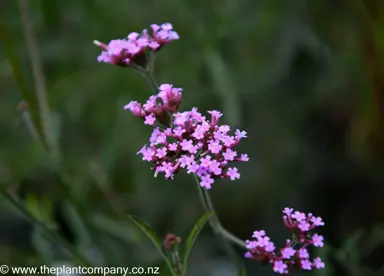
{"x": 26, "y": 95}
{"x": 224, "y": 85}
{"x": 242, "y": 270}
{"x": 42, "y": 246}
{"x": 116, "y": 229}
{"x": 81, "y": 260}
{"x": 154, "y": 238}
{"x": 192, "y": 238}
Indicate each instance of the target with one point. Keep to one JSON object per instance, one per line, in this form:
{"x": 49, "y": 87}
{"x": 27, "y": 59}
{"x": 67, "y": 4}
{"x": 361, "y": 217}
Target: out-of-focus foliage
{"x": 304, "y": 78}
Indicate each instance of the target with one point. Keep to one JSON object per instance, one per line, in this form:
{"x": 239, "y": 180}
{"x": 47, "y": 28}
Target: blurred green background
{"x": 305, "y": 79}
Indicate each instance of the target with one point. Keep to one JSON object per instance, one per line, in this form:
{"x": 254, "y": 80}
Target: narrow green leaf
{"x": 81, "y": 260}
{"x": 224, "y": 85}
{"x": 154, "y": 238}
{"x": 192, "y": 238}
{"x": 117, "y": 229}
{"x": 26, "y": 95}
{"x": 242, "y": 270}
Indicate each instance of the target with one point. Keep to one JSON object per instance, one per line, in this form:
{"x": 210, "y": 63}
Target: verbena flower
{"x": 295, "y": 253}
{"x": 188, "y": 140}
{"x": 132, "y": 49}
{"x": 158, "y": 108}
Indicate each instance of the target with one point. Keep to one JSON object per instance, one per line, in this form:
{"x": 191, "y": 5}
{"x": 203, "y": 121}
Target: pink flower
{"x": 244, "y": 157}
{"x": 279, "y": 267}
{"x": 206, "y": 182}
{"x": 318, "y": 263}
{"x": 229, "y": 155}
{"x": 303, "y": 253}
{"x": 317, "y": 240}
{"x": 233, "y": 173}
{"x": 149, "y": 119}
{"x": 270, "y": 247}
{"x": 214, "y": 146}
{"x": 299, "y": 216}
{"x": 287, "y": 252}
{"x": 288, "y": 211}
{"x": 161, "y": 152}
{"x": 258, "y": 234}
{"x": 306, "y": 264}
{"x": 317, "y": 221}
{"x": 304, "y": 226}
{"x": 240, "y": 134}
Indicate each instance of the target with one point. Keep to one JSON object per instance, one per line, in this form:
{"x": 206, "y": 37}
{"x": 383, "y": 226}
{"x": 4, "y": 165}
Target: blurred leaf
{"x": 223, "y": 85}
{"x": 116, "y": 229}
{"x": 40, "y": 208}
{"x": 192, "y": 238}
{"x": 42, "y": 246}
{"x": 154, "y": 238}
{"x": 26, "y": 95}
{"x": 50, "y": 233}
{"x": 242, "y": 270}
{"x": 43, "y": 109}
{"x": 323, "y": 253}
{"x": 350, "y": 245}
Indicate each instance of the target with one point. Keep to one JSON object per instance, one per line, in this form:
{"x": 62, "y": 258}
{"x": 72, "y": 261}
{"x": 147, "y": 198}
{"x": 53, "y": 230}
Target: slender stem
{"x": 152, "y": 81}
{"x": 50, "y": 233}
{"x": 203, "y": 200}
{"x": 151, "y": 63}
{"x": 220, "y": 228}
{"x": 232, "y": 238}
{"x": 225, "y": 237}
{"x": 148, "y": 74}
{"x": 176, "y": 262}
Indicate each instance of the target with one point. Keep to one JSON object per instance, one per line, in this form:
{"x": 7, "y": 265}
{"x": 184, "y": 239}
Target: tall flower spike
{"x": 133, "y": 49}
{"x": 293, "y": 254}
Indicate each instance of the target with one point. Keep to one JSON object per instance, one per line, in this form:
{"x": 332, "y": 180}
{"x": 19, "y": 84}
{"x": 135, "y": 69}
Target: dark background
{"x": 305, "y": 79}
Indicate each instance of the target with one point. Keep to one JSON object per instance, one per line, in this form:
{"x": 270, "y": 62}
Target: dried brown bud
{"x": 171, "y": 240}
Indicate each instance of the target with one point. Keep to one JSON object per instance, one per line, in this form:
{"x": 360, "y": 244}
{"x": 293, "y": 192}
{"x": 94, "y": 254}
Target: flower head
{"x": 293, "y": 254}
{"x": 157, "y": 107}
{"x": 190, "y": 141}
{"x": 132, "y": 49}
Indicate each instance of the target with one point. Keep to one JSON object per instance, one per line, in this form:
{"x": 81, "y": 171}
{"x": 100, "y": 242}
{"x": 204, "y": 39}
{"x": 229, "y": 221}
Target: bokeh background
{"x": 305, "y": 79}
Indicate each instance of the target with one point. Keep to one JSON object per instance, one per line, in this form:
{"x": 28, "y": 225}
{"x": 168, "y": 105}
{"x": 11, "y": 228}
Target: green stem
{"x": 220, "y": 228}
{"x": 225, "y": 237}
{"x": 148, "y": 74}
{"x": 214, "y": 221}
{"x": 50, "y": 233}
{"x": 152, "y": 81}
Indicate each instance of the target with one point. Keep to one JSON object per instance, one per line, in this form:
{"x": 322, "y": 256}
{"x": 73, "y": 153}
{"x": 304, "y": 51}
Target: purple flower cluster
{"x": 295, "y": 253}
{"x": 125, "y": 51}
{"x": 158, "y": 107}
{"x": 188, "y": 140}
